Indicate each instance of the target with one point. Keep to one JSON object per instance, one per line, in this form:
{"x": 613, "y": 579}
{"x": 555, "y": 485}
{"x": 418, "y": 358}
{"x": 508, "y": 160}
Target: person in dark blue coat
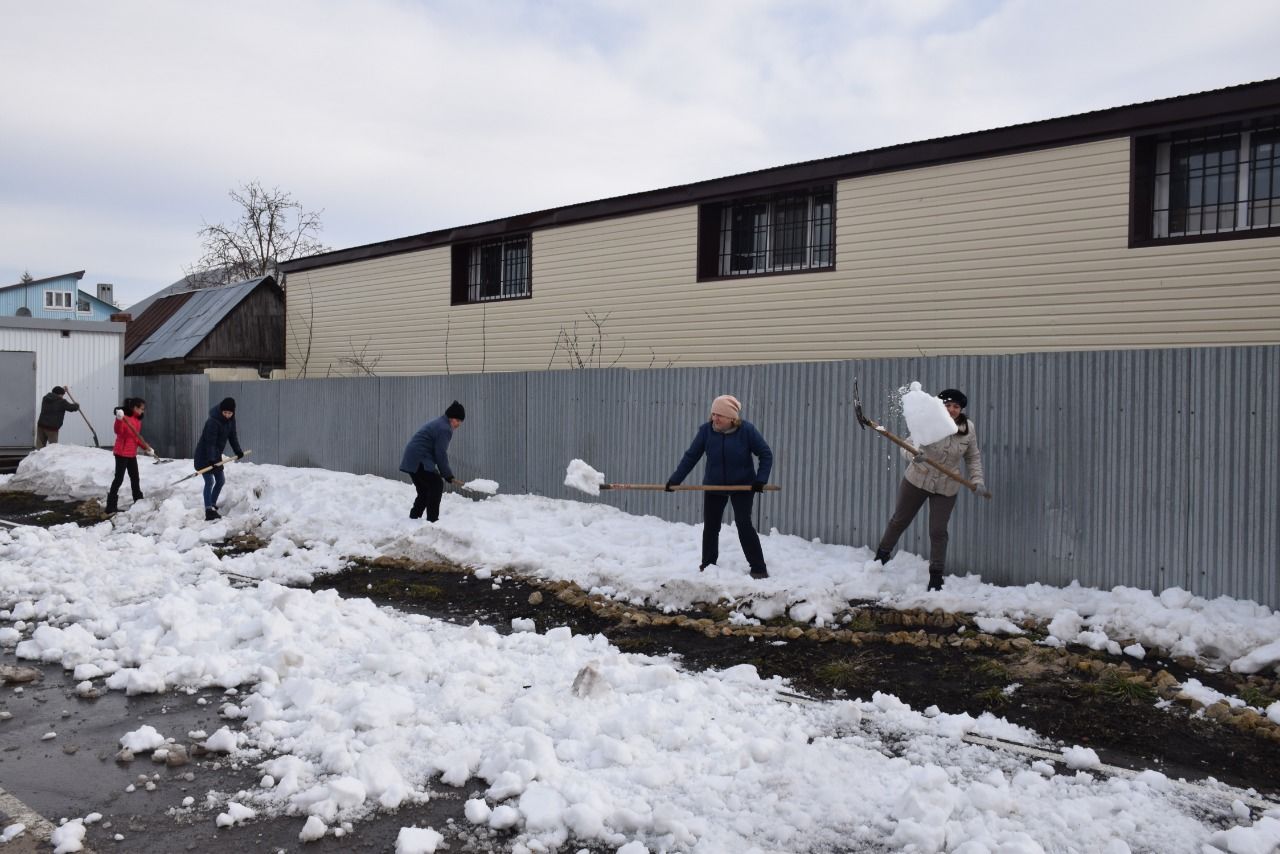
{"x": 218, "y": 430}
{"x": 426, "y": 461}
{"x": 729, "y": 444}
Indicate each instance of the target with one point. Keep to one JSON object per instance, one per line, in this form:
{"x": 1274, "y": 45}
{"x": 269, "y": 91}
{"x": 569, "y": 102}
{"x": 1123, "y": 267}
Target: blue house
{"x": 57, "y": 297}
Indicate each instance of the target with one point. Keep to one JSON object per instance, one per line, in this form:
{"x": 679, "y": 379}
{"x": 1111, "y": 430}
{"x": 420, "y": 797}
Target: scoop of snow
{"x": 583, "y": 477}
{"x": 480, "y": 484}
{"x": 927, "y": 417}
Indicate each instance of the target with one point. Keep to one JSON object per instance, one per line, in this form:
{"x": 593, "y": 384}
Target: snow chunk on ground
{"x": 314, "y": 829}
{"x": 1078, "y": 758}
{"x": 222, "y": 741}
{"x": 583, "y": 477}
{"x": 235, "y": 814}
{"x": 417, "y": 840}
{"x": 927, "y": 417}
{"x": 144, "y": 739}
{"x": 12, "y": 832}
{"x": 68, "y": 838}
{"x": 1261, "y": 658}
{"x": 997, "y": 626}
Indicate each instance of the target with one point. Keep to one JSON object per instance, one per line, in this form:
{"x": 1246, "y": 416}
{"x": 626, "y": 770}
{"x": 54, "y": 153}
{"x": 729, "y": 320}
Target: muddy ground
{"x": 1075, "y": 696}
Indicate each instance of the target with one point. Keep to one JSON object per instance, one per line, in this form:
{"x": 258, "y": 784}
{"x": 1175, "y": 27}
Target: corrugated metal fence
{"x": 1147, "y": 468}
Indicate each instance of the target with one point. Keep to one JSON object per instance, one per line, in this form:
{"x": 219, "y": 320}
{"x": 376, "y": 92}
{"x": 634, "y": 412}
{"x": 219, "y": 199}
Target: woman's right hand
{"x": 119, "y": 413}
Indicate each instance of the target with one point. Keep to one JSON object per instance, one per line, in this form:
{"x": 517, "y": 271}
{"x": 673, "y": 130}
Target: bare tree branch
{"x": 271, "y": 228}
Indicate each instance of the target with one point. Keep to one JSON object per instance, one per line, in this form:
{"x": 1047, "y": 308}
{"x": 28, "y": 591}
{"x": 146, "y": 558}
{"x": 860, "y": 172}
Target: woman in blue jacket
{"x": 729, "y": 444}
{"x": 218, "y": 430}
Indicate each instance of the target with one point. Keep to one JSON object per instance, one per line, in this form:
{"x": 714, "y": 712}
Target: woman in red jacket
{"x": 128, "y": 441}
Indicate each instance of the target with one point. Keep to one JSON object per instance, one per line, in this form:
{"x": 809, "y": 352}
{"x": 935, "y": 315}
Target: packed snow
{"x": 927, "y": 418}
{"x": 562, "y": 739}
{"x": 583, "y": 477}
{"x": 483, "y": 485}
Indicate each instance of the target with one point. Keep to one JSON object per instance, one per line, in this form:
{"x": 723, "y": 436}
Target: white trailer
{"x": 37, "y": 354}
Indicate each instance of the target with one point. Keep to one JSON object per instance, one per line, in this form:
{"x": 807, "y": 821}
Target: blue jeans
{"x": 213, "y": 481}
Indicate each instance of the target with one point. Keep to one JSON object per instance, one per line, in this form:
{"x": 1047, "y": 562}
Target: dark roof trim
{"x": 79, "y": 274}
{"x": 1147, "y": 117}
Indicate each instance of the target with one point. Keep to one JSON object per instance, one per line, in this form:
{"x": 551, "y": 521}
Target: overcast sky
{"x": 126, "y": 123}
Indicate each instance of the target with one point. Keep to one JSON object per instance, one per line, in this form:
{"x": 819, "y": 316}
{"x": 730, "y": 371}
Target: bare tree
{"x": 302, "y": 331}
{"x": 585, "y": 350}
{"x": 361, "y": 362}
{"x": 271, "y": 228}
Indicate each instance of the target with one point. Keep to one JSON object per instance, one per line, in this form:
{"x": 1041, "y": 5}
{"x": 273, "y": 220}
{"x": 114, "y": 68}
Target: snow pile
{"x": 566, "y": 739}
{"x": 583, "y": 477}
{"x": 927, "y": 418}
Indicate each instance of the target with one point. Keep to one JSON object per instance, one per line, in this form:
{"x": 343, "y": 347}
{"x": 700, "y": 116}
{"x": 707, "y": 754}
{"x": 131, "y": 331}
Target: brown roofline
{"x": 1083, "y": 127}
{"x": 79, "y": 274}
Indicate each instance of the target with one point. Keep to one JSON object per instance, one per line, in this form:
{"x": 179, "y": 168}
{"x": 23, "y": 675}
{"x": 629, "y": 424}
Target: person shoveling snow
{"x": 940, "y": 446}
{"x": 426, "y": 461}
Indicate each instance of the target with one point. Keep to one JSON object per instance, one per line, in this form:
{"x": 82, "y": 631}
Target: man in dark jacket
{"x": 53, "y": 408}
{"x": 218, "y": 430}
{"x": 426, "y": 461}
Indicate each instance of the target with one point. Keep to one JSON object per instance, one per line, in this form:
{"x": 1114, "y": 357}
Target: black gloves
{"x": 758, "y": 486}
{"x": 669, "y": 484}
{"x": 240, "y": 456}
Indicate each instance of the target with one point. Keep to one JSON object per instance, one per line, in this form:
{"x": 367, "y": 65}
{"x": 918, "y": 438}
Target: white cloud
{"x": 133, "y": 119}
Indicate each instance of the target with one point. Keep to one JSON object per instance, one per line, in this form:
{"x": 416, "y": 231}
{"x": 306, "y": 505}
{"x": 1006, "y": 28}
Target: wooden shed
{"x": 240, "y": 325}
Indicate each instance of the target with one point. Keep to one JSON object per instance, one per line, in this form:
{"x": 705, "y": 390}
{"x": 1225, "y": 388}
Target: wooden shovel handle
{"x": 659, "y": 487}
{"x": 906, "y": 446}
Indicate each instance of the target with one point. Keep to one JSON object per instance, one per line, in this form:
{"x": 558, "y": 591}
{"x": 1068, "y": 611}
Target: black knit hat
{"x": 455, "y": 410}
{"x": 949, "y": 394}
{"x": 228, "y": 405}
{"x": 59, "y": 390}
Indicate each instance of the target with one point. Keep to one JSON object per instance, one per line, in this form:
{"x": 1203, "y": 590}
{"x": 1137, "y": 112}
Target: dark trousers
{"x": 910, "y": 499}
{"x": 46, "y": 436}
{"x": 713, "y": 505}
{"x": 124, "y": 464}
{"x": 430, "y": 487}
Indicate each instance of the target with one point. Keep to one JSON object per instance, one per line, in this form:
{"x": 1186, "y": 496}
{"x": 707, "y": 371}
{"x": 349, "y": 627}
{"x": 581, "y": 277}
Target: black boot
{"x": 759, "y": 572}
{"x": 882, "y": 555}
{"x": 935, "y": 581}
{"x": 112, "y": 506}
{"x": 210, "y": 514}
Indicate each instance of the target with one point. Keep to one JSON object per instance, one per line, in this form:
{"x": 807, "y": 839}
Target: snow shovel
{"x": 467, "y": 492}
{"x": 96, "y": 443}
{"x": 661, "y": 487}
{"x": 865, "y": 422}
{"x": 222, "y": 462}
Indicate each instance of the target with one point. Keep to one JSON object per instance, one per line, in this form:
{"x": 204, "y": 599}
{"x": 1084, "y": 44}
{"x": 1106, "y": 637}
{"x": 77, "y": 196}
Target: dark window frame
{"x": 1155, "y": 171}
{"x": 762, "y": 235}
{"x": 486, "y": 271}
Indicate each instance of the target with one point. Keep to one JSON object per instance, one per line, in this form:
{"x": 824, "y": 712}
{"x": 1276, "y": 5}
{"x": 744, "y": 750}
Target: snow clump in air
{"x": 583, "y": 477}
{"x": 927, "y": 417}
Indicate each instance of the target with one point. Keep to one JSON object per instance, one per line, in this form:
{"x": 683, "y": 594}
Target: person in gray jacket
{"x": 426, "y": 461}
{"x": 922, "y": 482}
{"x": 53, "y": 408}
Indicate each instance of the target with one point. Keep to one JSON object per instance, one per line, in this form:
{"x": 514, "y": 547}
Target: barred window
{"x": 1216, "y": 181}
{"x": 493, "y": 270}
{"x": 777, "y": 233}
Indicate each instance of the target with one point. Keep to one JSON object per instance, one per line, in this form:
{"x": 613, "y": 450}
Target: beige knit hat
{"x": 726, "y": 405}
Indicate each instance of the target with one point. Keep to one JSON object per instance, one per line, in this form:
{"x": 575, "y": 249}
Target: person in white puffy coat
{"x": 922, "y": 482}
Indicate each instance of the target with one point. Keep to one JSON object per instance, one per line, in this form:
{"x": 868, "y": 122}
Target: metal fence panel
{"x": 1147, "y": 468}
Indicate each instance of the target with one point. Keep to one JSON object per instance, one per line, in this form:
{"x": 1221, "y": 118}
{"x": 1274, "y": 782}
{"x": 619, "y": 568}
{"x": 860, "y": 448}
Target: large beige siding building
{"x": 1151, "y": 225}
